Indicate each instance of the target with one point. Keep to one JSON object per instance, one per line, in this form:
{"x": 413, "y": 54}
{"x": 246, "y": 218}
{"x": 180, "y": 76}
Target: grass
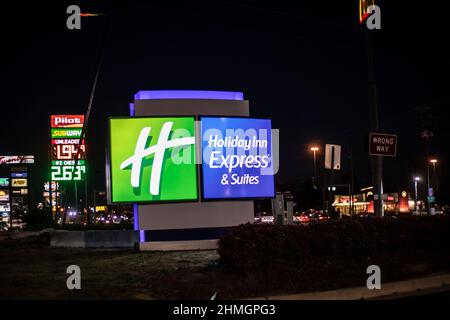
{"x": 30, "y": 269}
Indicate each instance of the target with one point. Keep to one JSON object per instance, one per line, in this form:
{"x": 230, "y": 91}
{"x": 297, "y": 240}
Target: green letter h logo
{"x": 140, "y": 152}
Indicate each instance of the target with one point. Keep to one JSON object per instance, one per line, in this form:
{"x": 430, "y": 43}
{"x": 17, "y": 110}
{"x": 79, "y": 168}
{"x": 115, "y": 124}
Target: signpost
{"x": 65, "y": 148}
{"x": 381, "y": 144}
{"x": 332, "y": 162}
{"x": 332, "y": 156}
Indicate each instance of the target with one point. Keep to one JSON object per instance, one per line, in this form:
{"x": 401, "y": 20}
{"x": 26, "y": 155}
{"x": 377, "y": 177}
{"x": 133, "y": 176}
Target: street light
{"x": 416, "y": 180}
{"x": 429, "y": 184}
{"x": 314, "y": 149}
{"x": 433, "y": 162}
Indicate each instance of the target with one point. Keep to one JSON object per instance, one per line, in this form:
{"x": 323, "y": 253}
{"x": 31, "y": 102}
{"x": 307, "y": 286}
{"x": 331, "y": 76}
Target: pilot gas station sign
{"x": 155, "y": 159}
{"x": 65, "y": 134}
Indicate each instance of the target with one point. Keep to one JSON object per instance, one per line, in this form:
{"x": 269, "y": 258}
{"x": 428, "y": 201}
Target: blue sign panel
{"x": 237, "y": 158}
{"x": 18, "y": 174}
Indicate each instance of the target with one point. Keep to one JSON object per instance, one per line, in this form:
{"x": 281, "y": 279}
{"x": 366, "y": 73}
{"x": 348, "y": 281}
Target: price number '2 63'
{"x": 68, "y": 173}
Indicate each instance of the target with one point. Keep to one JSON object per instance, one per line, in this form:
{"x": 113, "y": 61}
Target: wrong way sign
{"x": 382, "y": 144}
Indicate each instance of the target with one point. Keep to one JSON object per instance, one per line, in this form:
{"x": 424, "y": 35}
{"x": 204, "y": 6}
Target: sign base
{"x": 210, "y": 244}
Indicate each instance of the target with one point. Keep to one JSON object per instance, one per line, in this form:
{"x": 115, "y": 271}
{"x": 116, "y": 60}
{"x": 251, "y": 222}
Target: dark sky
{"x": 302, "y": 63}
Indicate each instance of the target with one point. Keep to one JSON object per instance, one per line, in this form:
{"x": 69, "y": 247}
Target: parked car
{"x": 301, "y": 218}
{"x": 264, "y": 217}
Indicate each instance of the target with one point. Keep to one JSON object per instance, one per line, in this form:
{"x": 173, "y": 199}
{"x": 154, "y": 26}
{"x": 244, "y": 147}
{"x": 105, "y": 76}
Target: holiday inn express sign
{"x": 155, "y": 159}
{"x": 236, "y": 158}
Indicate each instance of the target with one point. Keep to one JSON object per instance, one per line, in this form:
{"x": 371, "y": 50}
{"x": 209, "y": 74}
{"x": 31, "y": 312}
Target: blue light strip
{"x": 135, "y": 206}
{"x": 188, "y": 94}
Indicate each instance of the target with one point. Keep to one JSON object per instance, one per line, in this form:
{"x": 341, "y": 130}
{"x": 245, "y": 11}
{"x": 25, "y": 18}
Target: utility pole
{"x": 90, "y": 102}
{"x": 376, "y": 162}
{"x": 427, "y": 135}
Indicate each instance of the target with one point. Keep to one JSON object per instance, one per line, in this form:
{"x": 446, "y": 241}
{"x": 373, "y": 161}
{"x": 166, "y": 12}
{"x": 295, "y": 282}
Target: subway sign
{"x": 65, "y": 133}
{"x": 155, "y": 159}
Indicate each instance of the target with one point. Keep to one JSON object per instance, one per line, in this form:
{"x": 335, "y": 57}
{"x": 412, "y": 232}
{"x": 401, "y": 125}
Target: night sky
{"x": 301, "y": 63}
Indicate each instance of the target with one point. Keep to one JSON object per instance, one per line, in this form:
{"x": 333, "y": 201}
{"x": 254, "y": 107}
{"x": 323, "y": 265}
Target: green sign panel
{"x": 152, "y": 159}
{"x": 68, "y": 173}
{"x": 66, "y": 133}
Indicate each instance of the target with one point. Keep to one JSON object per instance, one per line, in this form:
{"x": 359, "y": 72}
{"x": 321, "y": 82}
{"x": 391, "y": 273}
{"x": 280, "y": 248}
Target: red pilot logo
{"x": 67, "y": 121}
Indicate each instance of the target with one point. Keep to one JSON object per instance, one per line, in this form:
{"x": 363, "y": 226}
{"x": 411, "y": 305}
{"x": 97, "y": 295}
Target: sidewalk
{"x": 356, "y": 293}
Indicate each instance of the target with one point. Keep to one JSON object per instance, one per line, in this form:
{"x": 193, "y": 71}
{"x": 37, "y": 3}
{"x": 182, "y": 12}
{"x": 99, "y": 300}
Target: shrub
{"x": 37, "y": 219}
{"x": 249, "y": 247}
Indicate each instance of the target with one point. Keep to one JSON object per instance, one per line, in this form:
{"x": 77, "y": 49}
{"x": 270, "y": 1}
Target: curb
{"x": 357, "y": 293}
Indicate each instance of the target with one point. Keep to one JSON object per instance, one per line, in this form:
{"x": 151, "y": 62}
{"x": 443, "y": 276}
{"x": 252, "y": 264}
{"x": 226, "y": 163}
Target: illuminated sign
{"x": 68, "y": 151}
{"x": 4, "y": 182}
{"x": 46, "y": 194}
{"x": 18, "y": 175}
{"x": 55, "y": 186}
{"x": 68, "y": 173}
{"x": 68, "y": 162}
{"x": 19, "y": 182}
{"x": 4, "y": 195}
{"x": 16, "y": 159}
{"x": 101, "y": 208}
{"x": 20, "y": 169}
{"x": 4, "y": 207}
{"x": 66, "y": 141}
{"x": 66, "y": 133}
{"x": 67, "y": 121}
{"x": 152, "y": 159}
{"x": 236, "y": 158}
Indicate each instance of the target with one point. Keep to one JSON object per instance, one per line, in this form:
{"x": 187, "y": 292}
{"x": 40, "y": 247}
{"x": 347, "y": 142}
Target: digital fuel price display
{"x": 66, "y": 170}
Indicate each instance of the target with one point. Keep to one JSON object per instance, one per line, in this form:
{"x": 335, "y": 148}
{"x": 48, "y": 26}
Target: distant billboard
{"x": 4, "y": 195}
{"x": 16, "y": 159}
{"x": 4, "y": 182}
{"x": 21, "y": 183}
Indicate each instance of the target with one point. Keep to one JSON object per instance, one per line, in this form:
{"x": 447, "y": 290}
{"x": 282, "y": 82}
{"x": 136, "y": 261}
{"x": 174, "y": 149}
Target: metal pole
{"x": 428, "y": 187}
{"x": 10, "y": 199}
{"x": 376, "y": 161}
{"x": 352, "y": 183}
{"x": 415, "y": 196}
{"x": 86, "y": 201}
{"x": 91, "y": 98}
{"x": 315, "y": 168}
{"x": 76, "y": 195}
